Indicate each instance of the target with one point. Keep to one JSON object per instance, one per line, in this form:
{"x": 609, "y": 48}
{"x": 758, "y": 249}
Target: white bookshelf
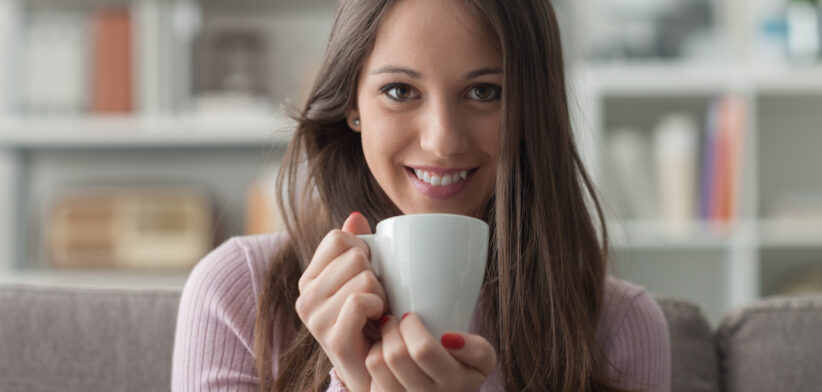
{"x": 169, "y": 138}
{"x": 726, "y": 267}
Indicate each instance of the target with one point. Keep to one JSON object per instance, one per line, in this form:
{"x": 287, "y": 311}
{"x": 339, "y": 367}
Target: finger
{"x": 356, "y": 223}
{"x": 343, "y": 269}
{"x": 471, "y": 350}
{"x": 396, "y": 356}
{"x": 381, "y": 376}
{"x": 364, "y": 283}
{"x": 335, "y": 243}
{"x": 428, "y": 353}
{"x": 355, "y": 313}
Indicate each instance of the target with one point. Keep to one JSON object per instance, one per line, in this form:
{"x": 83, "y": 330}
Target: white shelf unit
{"x": 726, "y": 267}
{"x": 168, "y": 139}
{"x": 757, "y": 255}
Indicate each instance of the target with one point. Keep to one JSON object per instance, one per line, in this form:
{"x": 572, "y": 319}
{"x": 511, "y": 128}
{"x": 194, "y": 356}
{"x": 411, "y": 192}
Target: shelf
{"x": 654, "y": 235}
{"x": 700, "y": 79}
{"x": 791, "y": 234}
{"x": 174, "y": 280}
{"x": 128, "y": 131}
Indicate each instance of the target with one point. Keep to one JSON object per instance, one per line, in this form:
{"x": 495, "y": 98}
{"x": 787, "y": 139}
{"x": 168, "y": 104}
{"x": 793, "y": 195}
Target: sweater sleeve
{"x": 213, "y": 344}
{"x": 213, "y": 348}
{"x": 640, "y": 349}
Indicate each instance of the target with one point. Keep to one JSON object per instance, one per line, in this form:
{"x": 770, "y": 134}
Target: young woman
{"x": 454, "y": 106}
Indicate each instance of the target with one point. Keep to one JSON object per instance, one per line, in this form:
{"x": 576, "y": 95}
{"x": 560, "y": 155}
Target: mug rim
{"x": 431, "y": 214}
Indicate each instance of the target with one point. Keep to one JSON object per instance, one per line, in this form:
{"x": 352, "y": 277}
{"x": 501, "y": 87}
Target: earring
{"x": 356, "y": 121}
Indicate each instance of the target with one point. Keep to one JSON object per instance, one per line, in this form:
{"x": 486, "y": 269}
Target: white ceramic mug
{"x": 432, "y": 265}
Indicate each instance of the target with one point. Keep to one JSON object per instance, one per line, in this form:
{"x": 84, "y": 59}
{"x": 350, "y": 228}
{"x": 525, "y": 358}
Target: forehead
{"x": 433, "y": 35}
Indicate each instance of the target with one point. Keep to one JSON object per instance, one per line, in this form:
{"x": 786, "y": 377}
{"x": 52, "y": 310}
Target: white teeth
{"x": 437, "y": 180}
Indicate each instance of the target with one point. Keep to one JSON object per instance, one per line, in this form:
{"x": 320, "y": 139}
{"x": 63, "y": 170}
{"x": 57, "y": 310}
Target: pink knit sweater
{"x": 213, "y": 349}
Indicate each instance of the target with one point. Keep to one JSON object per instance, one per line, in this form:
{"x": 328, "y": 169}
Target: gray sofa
{"x": 121, "y": 340}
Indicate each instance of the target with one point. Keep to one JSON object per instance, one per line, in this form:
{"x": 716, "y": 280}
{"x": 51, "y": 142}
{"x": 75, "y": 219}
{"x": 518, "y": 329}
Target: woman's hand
{"x": 339, "y": 293}
{"x": 409, "y": 359}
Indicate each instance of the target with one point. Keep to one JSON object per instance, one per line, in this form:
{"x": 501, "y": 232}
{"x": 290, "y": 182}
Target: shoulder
{"x": 626, "y": 302}
{"x": 238, "y": 260}
{"x": 214, "y": 337}
{"x": 633, "y": 334}
{"x": 225, "y": 284}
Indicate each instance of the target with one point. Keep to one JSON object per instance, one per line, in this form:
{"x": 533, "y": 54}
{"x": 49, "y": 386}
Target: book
{"x": 112, "y": 90}
{"x": 54, "y": 63}
{"x": 675, "y": 153}
{"x": 723, "y": 159}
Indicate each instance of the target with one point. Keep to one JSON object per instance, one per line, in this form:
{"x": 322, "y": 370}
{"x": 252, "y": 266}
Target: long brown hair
{"x": 546, "y": 269}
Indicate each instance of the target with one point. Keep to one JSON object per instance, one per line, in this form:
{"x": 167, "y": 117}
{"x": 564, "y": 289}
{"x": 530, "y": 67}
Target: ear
{"x": 353, "y": 119}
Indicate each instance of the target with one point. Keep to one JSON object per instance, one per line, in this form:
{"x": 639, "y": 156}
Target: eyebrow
{"x": 417, "y": 75}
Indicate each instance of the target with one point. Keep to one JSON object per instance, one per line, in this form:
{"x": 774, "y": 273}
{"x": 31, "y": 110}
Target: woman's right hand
{"x": 339, "y": 293}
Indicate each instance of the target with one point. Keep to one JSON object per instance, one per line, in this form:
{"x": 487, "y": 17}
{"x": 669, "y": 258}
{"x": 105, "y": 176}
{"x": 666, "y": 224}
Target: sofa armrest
{"x": 65, "y": 339}
{"x": 773, "y": 345}
{"x": 693, "y": 353}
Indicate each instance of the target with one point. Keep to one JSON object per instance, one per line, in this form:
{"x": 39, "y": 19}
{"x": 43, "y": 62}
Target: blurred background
{"x": 136, "y": 135}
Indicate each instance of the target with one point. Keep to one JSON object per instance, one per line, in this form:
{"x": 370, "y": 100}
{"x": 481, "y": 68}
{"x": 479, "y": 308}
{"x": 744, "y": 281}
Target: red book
{"x": 111, "y": 61}
{"x": 729, "y": 159}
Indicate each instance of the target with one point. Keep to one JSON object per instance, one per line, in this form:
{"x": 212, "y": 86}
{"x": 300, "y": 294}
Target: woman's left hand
{"x": 408, "y": 358}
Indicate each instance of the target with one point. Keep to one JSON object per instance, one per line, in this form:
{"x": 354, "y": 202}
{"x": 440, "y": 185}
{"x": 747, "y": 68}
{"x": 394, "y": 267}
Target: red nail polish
{"x": 384, "y": 320}
{"x": 352, "y": 214}
{"x": 404, "y": 315}
{"x": 452, "y": 341}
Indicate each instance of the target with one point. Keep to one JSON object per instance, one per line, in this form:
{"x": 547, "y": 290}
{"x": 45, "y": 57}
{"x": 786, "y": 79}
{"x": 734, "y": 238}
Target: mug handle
{"x": 371, "y": 241}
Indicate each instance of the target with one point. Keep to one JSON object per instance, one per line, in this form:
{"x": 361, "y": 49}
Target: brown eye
{"x": 484, "y": 92}
{"x": 399, "y": 92}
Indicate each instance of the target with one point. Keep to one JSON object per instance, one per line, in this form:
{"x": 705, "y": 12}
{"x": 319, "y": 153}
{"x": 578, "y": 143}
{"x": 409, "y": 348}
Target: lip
{"x": 438, "y": 192}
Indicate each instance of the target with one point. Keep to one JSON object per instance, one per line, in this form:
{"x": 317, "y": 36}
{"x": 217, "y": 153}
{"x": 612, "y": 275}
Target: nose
{"x": 442, "y": 133}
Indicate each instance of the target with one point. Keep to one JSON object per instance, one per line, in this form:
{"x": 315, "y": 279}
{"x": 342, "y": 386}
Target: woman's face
{"x": 428, "y": 101}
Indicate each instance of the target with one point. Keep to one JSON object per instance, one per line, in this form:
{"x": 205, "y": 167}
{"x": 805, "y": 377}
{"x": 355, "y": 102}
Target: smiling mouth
{"x": 440, "y": 178}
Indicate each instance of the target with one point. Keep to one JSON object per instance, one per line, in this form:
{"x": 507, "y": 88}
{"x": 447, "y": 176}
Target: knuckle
{"x": 302, "y": 283}
{"x": 368, "y": 282}
{"x": 374, "y": 361}
{"x": 423, "y": 352}
{"x": 355, "y": 303}
{"x": 336, "y": 238}
{"x": 302, "y": 307}
{"x": 356, "y": 259}
{"x": 396, "y": 357}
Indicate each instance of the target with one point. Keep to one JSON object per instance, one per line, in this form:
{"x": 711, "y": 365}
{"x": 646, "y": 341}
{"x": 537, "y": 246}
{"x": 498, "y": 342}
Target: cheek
{"x": 384, "y": 140}
{"x": 486, "y": 130}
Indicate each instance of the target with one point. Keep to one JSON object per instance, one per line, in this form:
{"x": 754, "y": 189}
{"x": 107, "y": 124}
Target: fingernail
{"x": 354, "y": 213}
{"x": 404, "y": 315}
{"x": 384, "y": 320}
{"x": 453, "y": 341}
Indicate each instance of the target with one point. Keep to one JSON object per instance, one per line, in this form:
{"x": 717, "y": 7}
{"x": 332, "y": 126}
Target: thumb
{"x": 472, "y": 350}
{"x": 356, "y": 224}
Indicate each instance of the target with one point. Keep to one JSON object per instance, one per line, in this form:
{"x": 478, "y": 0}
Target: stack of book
{"x": 75, "y": 62}
{"x": 678, "y": 173}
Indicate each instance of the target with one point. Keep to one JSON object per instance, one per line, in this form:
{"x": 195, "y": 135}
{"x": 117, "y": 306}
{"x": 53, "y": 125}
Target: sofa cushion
{"x": 122, "y": 340}
{"x": 773, "y": 345}
{"x": 62, "y": 339}
{"x": 693, "y": 353}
